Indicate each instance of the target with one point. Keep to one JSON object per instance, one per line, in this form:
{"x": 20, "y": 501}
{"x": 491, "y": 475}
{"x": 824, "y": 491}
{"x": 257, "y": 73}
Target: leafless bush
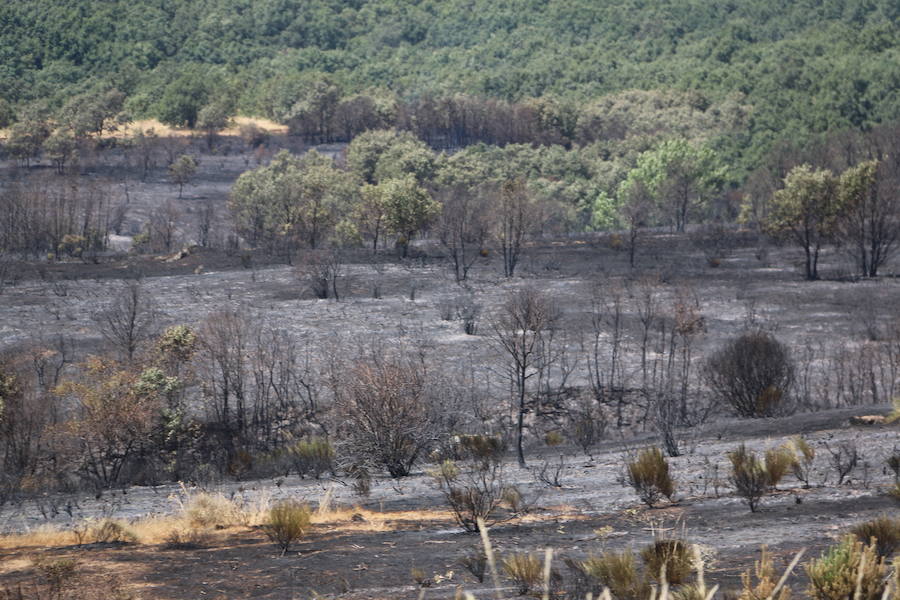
{"x": 129, "y": 320}
{"x": 587, "y": 423}
{"x": 550, "y": 473}
{"x": 843, "y": 458}
{"x": 804, "y": 457}
{"x": 753, "y": 374}
{"x": 473, "y": 492}
{"x": 319, "y": 272}
{"x": 390, "y": 413}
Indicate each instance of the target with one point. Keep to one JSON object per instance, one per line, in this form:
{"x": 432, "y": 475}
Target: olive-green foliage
{"x": 525, "y": 571}
{"x": 883, "y": 531}
{"x": 111, "y": 531}
{"x": 675, "y": 554}
{"x": 620, "y": 572}
{"x": 848, "y": 570}
{"x": 299, "y": 199}
{"x": 287, "y": 522}
{"x": 778, "y": 462}
{"x": 748, "y": 476}
{"x": 312, "y": 457}
{"x": 648, "y": 474}
{"x": 806, "y": 212}
{"x": 795, "y": 69}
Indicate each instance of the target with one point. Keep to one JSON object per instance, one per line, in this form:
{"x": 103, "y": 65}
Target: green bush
{"x": 287, "y": 522}
{"x": 312, "y": 457}
{"x": 848, "y": 570}
{"x": 648, "y": 474}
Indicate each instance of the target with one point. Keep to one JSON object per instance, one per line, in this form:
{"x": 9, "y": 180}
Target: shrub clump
{"x": 618, "y": 571}
{"x": 212, "y": 510}
{"x": 748, "y": 476}
{"x": 525, "y": 571}
{"x": 848, "y": 570}
{"x": 884, "y": 532}
{"x": 287, "y": 522}
{"x": 674, "y": 554}
{"x": 648, "y": 474}
{"x": 778, "y": 462}
{"x": 753, "y": 374}
{"x": 312, "y": 457}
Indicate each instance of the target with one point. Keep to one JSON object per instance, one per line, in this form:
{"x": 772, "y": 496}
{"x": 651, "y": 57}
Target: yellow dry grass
{"x": 163, "y": 130}
{"x": 158, "y": 529}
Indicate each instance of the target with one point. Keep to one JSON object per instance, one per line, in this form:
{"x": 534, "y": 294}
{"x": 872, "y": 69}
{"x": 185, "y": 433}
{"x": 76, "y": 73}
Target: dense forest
{"x": 788, "y": 69}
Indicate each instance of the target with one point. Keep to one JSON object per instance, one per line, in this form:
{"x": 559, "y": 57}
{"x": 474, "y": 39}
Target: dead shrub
{"x": 58, "y": 574}
{"x": 674, "y": 554}
{"x": 312, "y": 457}
{"x": 748, "y": 476}
{"x": 473, "y": 493}
{"x": 752, "y": 373}
{"x": 475, "y": 562}
{"x": 804, "y": 457}
{"x": 287, "y": 522}
{"x": 648, "y": 474}
{"x": 843, "y": 458}
{"x": 884, "y": 532}
{"x": 847, "y": 570}
{"x": 524, "y": 570}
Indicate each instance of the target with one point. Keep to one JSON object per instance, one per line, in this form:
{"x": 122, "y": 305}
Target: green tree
{"x": 408, "y": 208}
{"x": 26, "y": 138}
{"x": 869, "y": 223}
{"x": 184, "y": 97}
{"x": 385, "y": 153}
{"x": 182, "y": 171}
{"x": 681, "y": 177}
{"x": 292, "y": 198}
{"x": 806, "y": 211}
{"x": 60, "y": 148}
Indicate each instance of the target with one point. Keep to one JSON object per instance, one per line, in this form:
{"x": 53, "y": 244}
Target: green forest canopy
{"x": 801, "y": 66}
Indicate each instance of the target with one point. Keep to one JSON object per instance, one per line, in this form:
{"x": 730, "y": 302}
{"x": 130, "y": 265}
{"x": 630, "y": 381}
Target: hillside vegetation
{"x": 798, "y": 67}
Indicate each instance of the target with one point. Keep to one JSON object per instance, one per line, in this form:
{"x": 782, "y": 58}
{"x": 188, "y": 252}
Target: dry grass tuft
{"x": 288, "y": 521}
{"x": 884, "y": 532}
{"x": 674, "y": 554}
{"x": 618, "y": 571}
{"x": 524, "y": 570}
{"x": 648, "y": 474}
{"x": 766, "y": 580}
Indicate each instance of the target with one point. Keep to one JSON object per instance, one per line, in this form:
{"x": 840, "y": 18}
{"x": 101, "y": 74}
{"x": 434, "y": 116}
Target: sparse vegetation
{"x": 288, "y": 521}
{"x": 524, "y": 570}
{"x": 850, "y": 569}
{"x": 648, "y": 474}
{"x": 883, "y": 532}
{"x": 748, "y": 476}
{"x": 674, "y": 554}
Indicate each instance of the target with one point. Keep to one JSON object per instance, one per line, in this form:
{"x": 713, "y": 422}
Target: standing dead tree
{"x": 128, "y": 321}
{"x": 519, "y": 329}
